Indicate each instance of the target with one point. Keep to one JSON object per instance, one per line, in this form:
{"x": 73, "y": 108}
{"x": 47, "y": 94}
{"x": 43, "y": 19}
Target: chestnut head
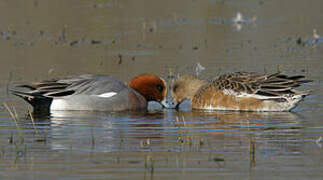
{"x": 152, "y": 87}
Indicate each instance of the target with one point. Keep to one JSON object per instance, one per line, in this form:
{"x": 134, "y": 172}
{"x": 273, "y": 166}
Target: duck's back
{"x": 243, "y": 91}
{"x": 84, "y": 92}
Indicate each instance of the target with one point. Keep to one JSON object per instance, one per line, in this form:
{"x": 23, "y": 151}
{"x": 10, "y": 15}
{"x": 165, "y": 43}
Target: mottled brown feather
{"x": 252, "y": 83}
{"x": 223, "y": 92}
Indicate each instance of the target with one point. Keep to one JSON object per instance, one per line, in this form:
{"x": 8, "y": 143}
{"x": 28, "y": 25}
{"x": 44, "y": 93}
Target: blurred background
{"x": 42, "y": 39}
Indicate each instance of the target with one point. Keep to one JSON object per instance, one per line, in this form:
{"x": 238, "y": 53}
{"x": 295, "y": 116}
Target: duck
{"x": 240, "y": 91}
{"x": 90, "y": 92}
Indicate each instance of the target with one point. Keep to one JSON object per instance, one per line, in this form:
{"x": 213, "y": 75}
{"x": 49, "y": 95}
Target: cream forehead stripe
{"x": 107, "y": 95}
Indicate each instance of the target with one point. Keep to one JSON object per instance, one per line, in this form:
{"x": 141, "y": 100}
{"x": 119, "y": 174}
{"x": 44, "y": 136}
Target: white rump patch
{"x": 107, "y": 95}
{"x": 57, "y": 105}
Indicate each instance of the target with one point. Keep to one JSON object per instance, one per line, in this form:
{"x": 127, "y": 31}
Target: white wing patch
{"x": 229, "y": 92}
{"x": 247, "y": 95}
{"x": 257, "y": 96}
{"x": 107, "y": 95}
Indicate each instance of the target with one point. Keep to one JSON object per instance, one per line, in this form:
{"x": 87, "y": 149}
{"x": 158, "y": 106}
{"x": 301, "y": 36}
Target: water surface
{"x": 49, "y": 39}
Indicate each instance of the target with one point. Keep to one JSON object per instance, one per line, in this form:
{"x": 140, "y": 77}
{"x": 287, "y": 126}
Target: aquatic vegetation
{"x": 17, "y": 144}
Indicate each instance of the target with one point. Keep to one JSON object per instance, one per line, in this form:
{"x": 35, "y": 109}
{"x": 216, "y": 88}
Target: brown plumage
{"x": 245, "y": 91}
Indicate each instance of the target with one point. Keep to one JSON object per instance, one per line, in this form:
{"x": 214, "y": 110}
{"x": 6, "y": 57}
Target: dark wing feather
{"x": 281, "y": 84}
{"x": 253, "y": 83}
{"x": 49, "y": 88}
{"x": 83, "y": 84}
{"x": 239, "y": 82}
{"x": 46, "y": 89}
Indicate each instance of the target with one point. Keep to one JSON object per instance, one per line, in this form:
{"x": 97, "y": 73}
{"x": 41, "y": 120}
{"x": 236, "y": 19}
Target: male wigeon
{"x": 240, "y": 91}
{"x": 94, "y": 93}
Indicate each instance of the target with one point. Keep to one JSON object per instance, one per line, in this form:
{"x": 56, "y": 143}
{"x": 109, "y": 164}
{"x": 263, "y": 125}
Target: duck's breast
{"x": 212, "y": 99}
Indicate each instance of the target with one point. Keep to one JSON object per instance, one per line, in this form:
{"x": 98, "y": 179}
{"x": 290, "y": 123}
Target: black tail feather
{"x": 39, "y": 103}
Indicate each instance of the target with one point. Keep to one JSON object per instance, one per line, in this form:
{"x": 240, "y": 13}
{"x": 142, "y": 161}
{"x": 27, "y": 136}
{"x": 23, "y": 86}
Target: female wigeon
{"x": 240, "y": 91}
{"x": 94, "y": 93}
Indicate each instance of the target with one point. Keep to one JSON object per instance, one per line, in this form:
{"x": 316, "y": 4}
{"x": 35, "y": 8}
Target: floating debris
{"x": 238, "y": 21}
{"x": 218, "y": 159}
{"x": 73, "y": 43}
{"x": 318, "y": 141}
{"x": 120, "y": 59}
{"x": 315, "y": 35}
{"x": 63, "y": 36}
{"x": 316, "y": 38}
{"x": 299, "y": 41}
{"x": 35, "y": 3}
{"x": 199, "y": 68}
{"x": 51, "y": 70}
{"x": 7, "y": 34}
{"x": 96, "y": 42}
{"x": 17, "y": 44}
{"x": 41, "y": 33}
{"x": 180, "y": 47}
{"x": 101, "y": 5}
{"x": 220, "y": 21}
{"x": 10, "y": 139}
{"x": 312, "y": 41}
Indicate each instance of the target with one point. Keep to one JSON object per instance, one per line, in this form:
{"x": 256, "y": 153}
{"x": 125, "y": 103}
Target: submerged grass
{"x": 186, "y": 140}
{"x": 149, "y": 165}
{"x": 14, "y": 115}
{"x": 32, "y": 120}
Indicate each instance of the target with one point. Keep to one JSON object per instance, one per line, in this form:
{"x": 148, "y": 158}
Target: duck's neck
{"x": 193, "y": 87}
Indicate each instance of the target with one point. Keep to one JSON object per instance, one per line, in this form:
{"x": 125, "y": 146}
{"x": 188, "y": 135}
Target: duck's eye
{"x": 175, "y": 88}
{"x": 160, "y": 88}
